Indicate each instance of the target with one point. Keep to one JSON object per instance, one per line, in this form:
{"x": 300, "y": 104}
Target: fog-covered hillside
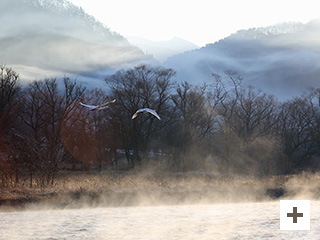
{"x": 283, "y": 59}
{"x": 41, "y": 38}
{"x": 53, "y": 38}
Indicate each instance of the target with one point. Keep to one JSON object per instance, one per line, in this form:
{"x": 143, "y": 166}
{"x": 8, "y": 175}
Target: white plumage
{"x": 145, "y": 110}
{"x": 98, "y": 107}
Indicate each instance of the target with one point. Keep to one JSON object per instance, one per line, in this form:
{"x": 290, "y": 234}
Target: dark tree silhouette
{"x": 142, "y": 86}
{"x": 9, "y": 91}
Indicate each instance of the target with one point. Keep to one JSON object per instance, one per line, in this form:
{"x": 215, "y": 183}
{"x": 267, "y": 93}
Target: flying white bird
{"x": 145, "y": 110}
{"x": 98, "y": 107}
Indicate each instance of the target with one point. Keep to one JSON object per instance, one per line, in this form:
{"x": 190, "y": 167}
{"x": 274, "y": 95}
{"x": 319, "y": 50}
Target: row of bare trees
{"x": 30, "y": 128}
{"x": 224, "y": 127}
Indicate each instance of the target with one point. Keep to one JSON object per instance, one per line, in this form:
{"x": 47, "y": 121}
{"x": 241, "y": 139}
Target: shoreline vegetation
{"x": 126, "y": 189}
{"x": 218, "y": 142}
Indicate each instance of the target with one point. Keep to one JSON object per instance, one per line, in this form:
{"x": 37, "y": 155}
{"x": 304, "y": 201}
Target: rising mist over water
{"x": 215, "y": 166}
{"x": 219, "y": 221}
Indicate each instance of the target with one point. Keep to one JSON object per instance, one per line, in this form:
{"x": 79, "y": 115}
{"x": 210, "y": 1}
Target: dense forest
{"x": 223, "y": 127}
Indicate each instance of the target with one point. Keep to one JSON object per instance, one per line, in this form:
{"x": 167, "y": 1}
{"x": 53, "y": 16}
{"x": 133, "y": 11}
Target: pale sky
{"x": 198, "y": 21}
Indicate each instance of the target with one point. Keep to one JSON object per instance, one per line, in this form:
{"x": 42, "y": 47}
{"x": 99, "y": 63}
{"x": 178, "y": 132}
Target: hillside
{"x": 283, "y": 59}
{"x": 47, "y": 38}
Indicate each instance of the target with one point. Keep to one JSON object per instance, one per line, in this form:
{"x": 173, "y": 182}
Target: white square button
{"x": 294, "y": 214}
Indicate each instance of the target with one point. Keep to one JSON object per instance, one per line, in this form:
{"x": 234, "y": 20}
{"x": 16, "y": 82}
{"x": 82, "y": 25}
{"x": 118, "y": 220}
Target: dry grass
{"x": 133, "y": 188}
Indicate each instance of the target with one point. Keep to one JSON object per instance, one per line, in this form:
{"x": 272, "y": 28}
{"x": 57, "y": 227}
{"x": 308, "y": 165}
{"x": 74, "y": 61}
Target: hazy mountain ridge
{"x": 44, "y": 38}
{"x": 53, "y": 4}
{"x": 283, "y": 59}
{"x": 274, "y": 30}
{"x": 66, "y": 17}
{"x": 58, "y": 38}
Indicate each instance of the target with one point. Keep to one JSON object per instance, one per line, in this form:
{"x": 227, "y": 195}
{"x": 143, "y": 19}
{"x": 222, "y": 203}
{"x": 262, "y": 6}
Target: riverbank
{"x": 77, "y": 190}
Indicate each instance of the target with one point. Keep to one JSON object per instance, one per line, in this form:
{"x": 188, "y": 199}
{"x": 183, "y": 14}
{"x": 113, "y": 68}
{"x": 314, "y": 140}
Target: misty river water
{"x": 215, "y": 221}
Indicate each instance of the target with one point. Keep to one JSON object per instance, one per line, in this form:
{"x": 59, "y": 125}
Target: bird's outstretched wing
{"x": 143, "y": 110}
{"x": 99, "y": 107}
{"x": 88, "y": 106}
{"x": 135, "y": 114}
{"x": 153, "y": 112}
{"x": 105, "y": 104}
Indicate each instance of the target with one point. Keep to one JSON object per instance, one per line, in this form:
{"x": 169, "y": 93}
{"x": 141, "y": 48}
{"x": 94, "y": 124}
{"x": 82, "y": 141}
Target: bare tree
{"x": 41, "y": 109}
{"x": 78, "y": 134}
{"x": 299, "y": 129}
{"x": 9, "y": 86}
{"x": 255, "y": 113}
{"x": 313, "y": 98}
{"x": 69, "y": 120}
{"x": 142, "y": 86}
{"x": 9, "y": 91}
{"x": 29, "y": 111}
{"x": 196, "y": 121}
{"x": 227, "y": 88}
{"x": 246, "y": 117}
{"x": 103, "y": 133}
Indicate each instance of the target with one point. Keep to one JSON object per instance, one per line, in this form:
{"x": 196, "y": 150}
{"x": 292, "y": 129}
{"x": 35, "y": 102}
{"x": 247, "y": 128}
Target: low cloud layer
{"x": 44, "y": 41}
{"x": 283, "y": 62}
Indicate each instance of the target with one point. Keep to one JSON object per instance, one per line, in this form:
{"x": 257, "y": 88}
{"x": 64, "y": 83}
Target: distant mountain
{"x": 283, "y": 59}
{"x": 41, "y": 38}
{"x": 163, "y": 49}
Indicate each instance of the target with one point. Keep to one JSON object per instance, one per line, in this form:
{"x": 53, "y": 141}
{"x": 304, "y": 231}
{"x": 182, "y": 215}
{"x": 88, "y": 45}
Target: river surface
{"x": 216, "y": 221}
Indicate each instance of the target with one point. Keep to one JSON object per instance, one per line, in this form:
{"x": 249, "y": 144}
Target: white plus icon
{"x": 294, "y": 215}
